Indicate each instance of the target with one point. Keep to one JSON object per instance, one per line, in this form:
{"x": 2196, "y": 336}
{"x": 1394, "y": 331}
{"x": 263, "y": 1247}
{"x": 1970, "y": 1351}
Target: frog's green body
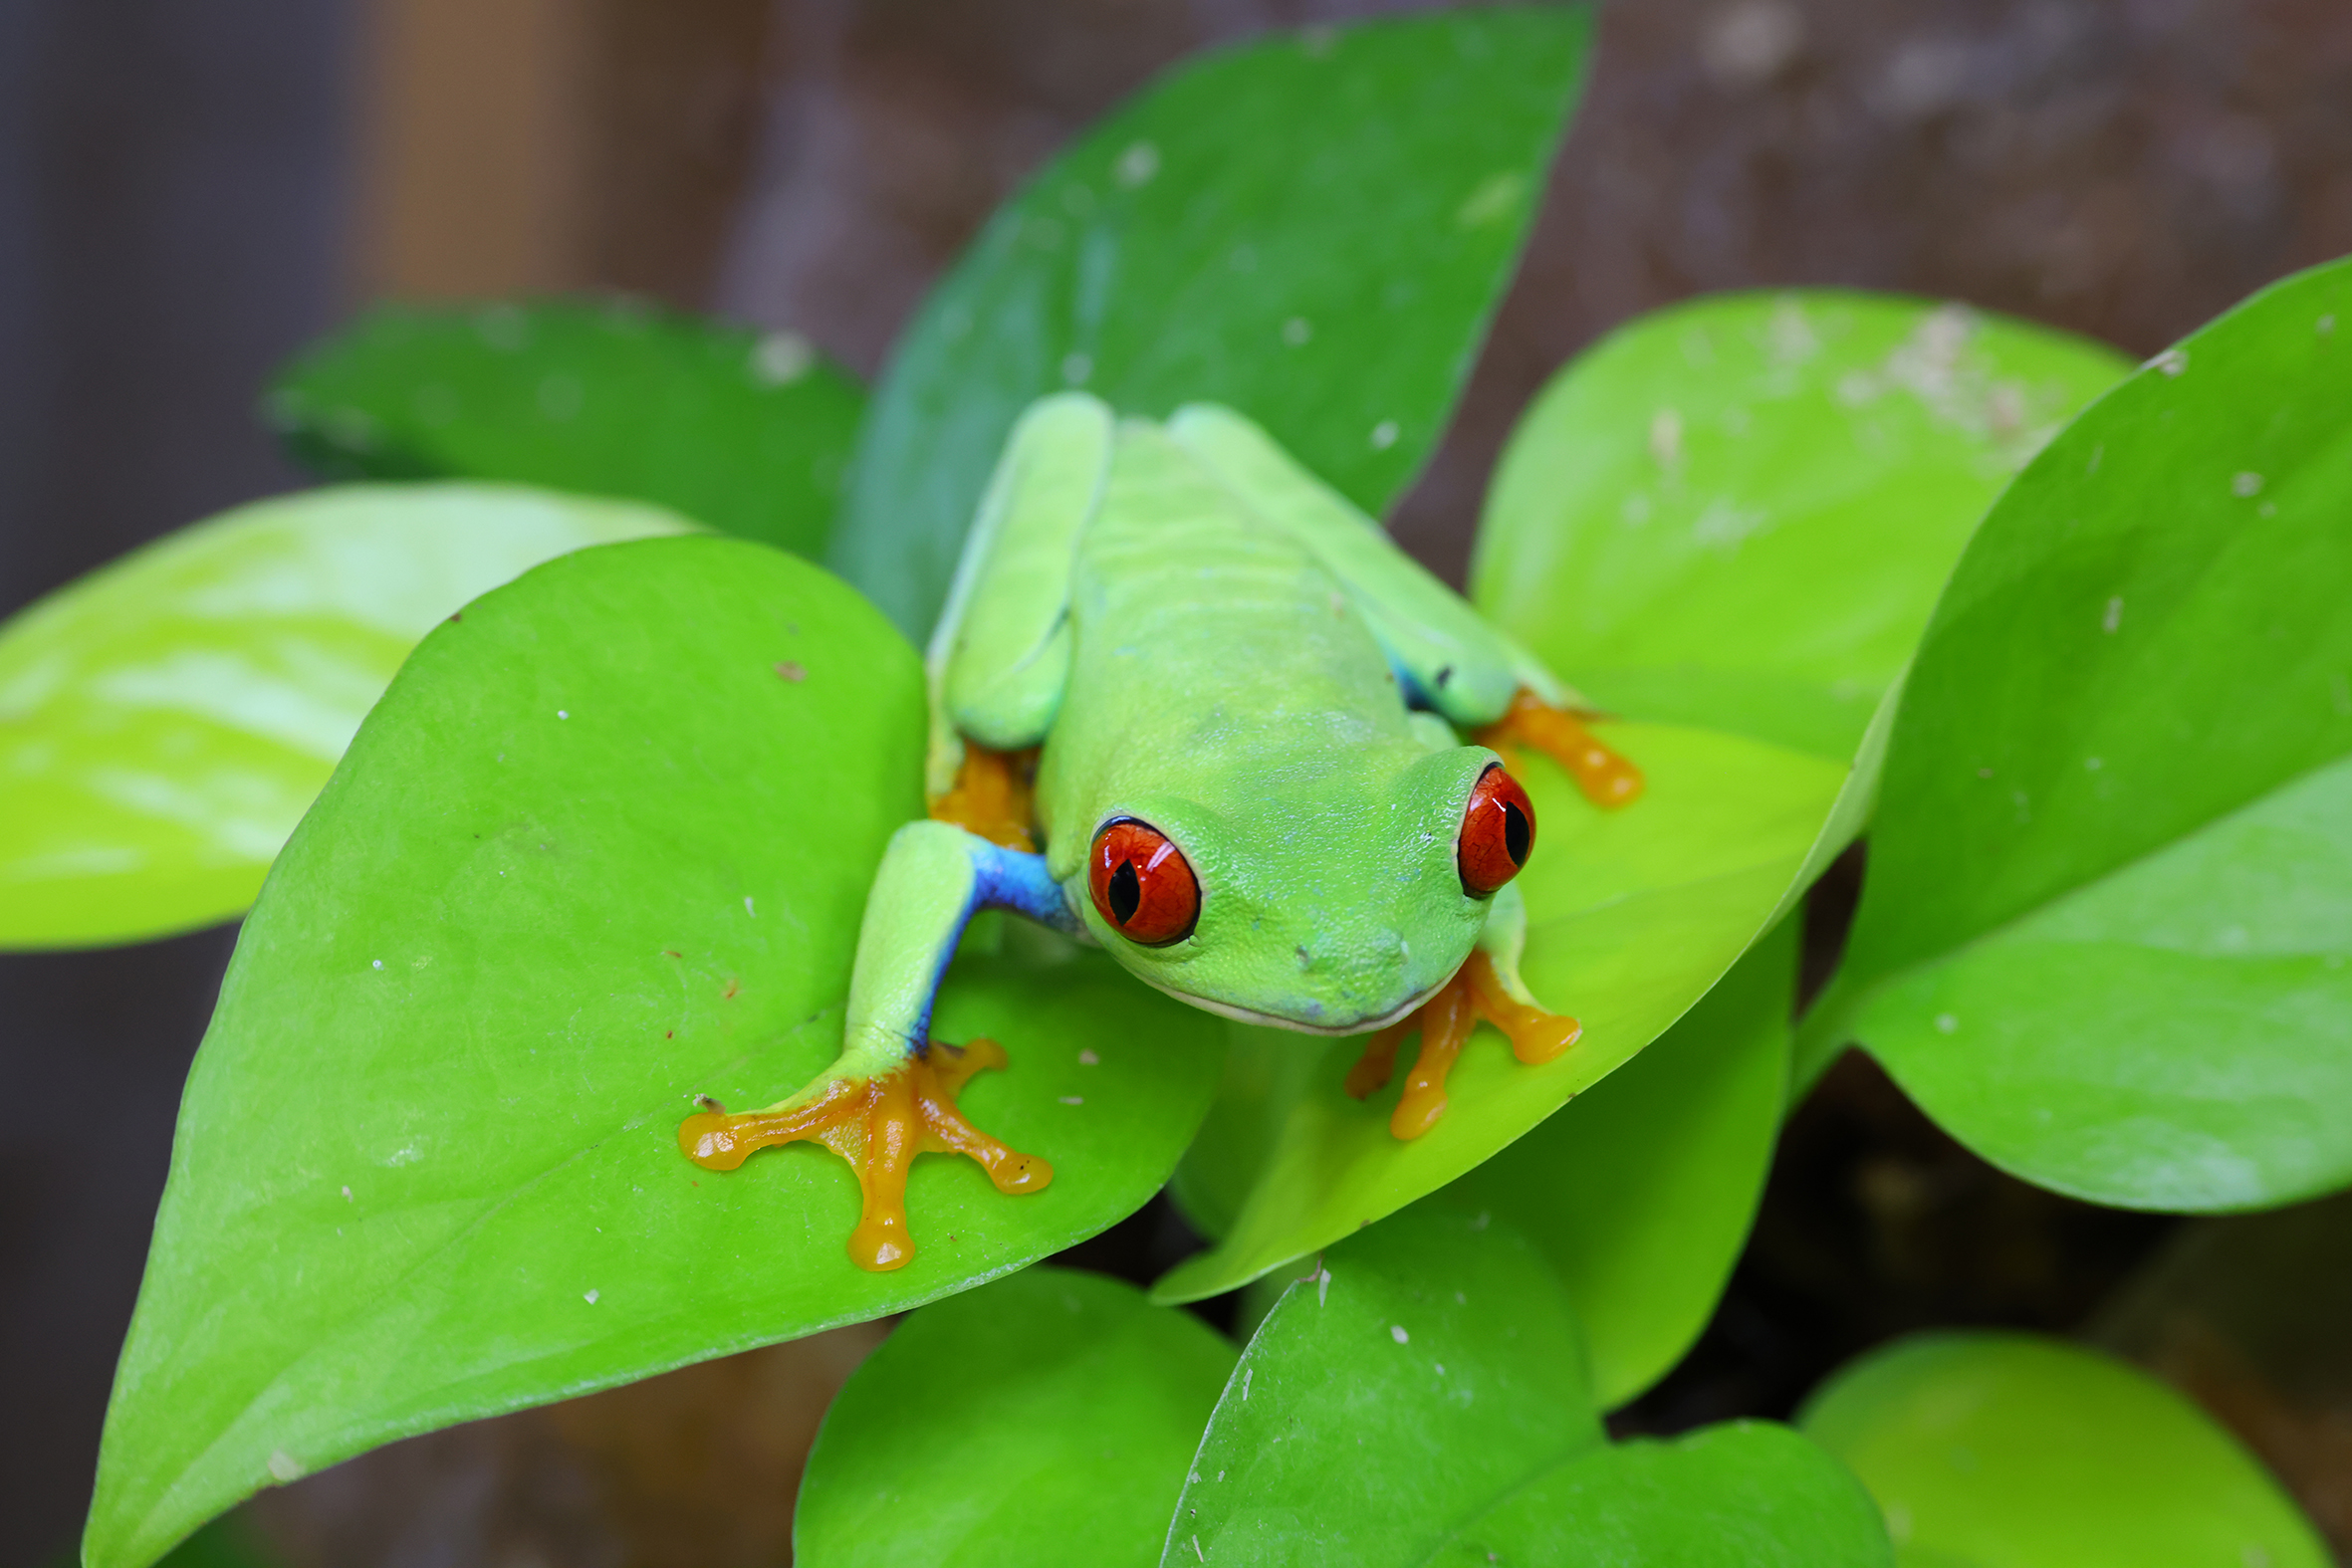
{"x": 1199, "y": 637}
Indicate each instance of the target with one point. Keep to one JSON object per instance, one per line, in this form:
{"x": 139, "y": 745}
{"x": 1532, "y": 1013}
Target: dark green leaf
{"x": 2004, "y": 1451}
{"x": 1641, "y": 1190}
{"x": 749, "y": 434}
{"x": 2105, "y": 932}
{"x": 1042, "y": 1420}
{"x": 1427, "y": 1367}
{"x": 1633, "y": 914}
{"x": 1313, "y": 228}
{"x": 1738, "y": 512}
{"x": 165, "y": 721}
{"x": 602, "y": 845}
{"x": 1744, "y": 1494}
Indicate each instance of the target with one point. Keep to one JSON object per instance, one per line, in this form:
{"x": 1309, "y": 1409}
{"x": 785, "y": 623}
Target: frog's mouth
{"x": 1275, "y": 1020}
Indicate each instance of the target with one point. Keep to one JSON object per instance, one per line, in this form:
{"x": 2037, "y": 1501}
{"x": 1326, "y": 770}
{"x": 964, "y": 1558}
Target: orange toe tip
{"x": 1028, "y": 1174}
{"x": 1415, "y": 1115}
{"x": 1540, "y": 1045}
{"x": 707, "y": 1139}
{"x": 880, "y": 1248}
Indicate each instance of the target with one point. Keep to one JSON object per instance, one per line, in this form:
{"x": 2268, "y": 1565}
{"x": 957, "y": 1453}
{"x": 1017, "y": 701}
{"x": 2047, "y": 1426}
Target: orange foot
{"x": 1606, "y": 779}
{"x": 878, "y": 1125}
{"x": 1445, "y": 1021}
{"x": 993, "y": 797}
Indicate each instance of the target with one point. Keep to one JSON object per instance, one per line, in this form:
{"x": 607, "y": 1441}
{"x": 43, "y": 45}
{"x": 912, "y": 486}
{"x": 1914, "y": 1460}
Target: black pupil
{"x": 1514, "y": 834}
{"x": 1126, "y": 889}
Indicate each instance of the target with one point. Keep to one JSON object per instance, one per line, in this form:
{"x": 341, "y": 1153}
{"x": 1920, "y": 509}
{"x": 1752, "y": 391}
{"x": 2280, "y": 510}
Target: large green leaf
{"x": 1743, "y": 1494}
{"x": 165, "y": 721}
{"x": 1641, "y": 1190}
{"x": 747, "y": 433}
{"x": 602, "y": 847}
{"x": 2103, "y": 939}
{"x": 1042, "y": 1420}
{"x": 1738, "y": 512}
{"x": 2004, "y": 1451}
{"x": 1633, "y": 915}
{"x": 1313, "y": 228}
{"x": 1422, "y": 1371}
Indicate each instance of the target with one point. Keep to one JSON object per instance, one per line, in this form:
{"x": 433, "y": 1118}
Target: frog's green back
{"x": 1225, "y": 690}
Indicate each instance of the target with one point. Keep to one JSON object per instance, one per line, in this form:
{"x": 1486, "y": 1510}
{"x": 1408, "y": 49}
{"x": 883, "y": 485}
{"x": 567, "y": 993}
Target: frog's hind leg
{"x": 1000, "y": 657}
{"x": 1447, "y": 657}
{"x": 1487, "y": 987}
{"x": 892, "y": 1093}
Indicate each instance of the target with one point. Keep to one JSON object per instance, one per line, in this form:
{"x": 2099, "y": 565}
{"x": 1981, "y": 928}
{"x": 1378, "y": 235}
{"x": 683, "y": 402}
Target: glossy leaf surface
{"x": 602, "y": 847}
{"x": 1743, "y": 1494}
{"x": 1313, "y": 228}
{"x": 1633, "y": 915}
{"x": 2105, "y": 935}
{"x": 1428, "y": 1366}
{"x": 747, "y": 433}
{"x": 1042, "y": 1420}
{"x": 2004, "y": 1451}
{"x": 165, "y": 721}
{"x": 1738, "y": 512}
{"x": 1640, "y": 1192}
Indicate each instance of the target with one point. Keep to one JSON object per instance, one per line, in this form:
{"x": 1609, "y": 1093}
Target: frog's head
{"x": 1326, "y": 903}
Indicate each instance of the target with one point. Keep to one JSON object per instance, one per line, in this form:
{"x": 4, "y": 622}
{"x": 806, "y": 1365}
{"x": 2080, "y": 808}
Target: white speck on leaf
{"x": 379, "y": 963}
{"x": 591, "y": 1298}
{"x": 2114, "y": 616}
{"x": 747, "y": 907}
{"x": 1297, "y": 331}
{"x": 1666, "y": 438}
{"x": 1384, "y": 435}
{"x": 562, "y": 713}
{"x": 1946, "y": 1024}
{"x": 2246, "y": 485}
{"x": 2327, "y": 323}
{"x": 1136, "y": 166}
{"x": 346, "y": 1196}
{"x": 1246, "y": 1373}
{"x": 1087, "y": 1058}
{"x": 1396, "y": 1331}
{"x": 1323, "y": 1286}
{"x": 1195, "y": 1549}
{"x": 2093, "y": 764}
{"x": 1074, "y": 1099}
{"x": 2171, "y": 362}
{"x": 1497, "y": 196}
{"x": 284, "y": 1467}
{"x": 781, "y": 357}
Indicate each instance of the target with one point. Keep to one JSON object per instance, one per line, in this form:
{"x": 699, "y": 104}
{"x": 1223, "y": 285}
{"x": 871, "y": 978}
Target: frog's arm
{"x": 892, "y": 1091}
{"x": 1447, "y": 657}
{"x": 1000, "y": 655}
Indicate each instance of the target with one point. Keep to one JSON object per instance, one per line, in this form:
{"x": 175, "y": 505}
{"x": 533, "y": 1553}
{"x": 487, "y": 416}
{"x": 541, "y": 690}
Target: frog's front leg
{"x": 892, "y": 1093}
{"x": 1487, "y": 986}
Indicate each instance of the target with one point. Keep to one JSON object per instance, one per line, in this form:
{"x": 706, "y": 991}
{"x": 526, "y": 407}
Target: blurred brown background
{"x": 188, "y": 190}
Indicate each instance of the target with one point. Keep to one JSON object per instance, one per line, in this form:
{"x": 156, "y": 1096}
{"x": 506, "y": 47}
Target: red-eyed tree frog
{"x": 1190, "y": 704}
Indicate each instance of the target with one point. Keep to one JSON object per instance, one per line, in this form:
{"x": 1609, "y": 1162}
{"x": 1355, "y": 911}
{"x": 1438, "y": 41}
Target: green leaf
{"x": 1743, "y": 1494}
{"x": 2103, "y": 939}
{"x": 1313, "y": 228}
{"x": 1641, "y": 1190}
{"x": 2004, "y": 1451}
{"x": 749, "y": 434}
{"x": 1633, "y": 915}
{"x": 1737, "y": 513}
{"x": 603, "y": 847}
{"x": 1042, "y": 1420}
{"x": 165, "y": 721}
{"x": 1428, "y": 1367}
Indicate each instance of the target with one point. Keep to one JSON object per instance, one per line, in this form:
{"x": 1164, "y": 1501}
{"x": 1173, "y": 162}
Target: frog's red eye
{"x": 1497, "y": 833}
{"x": 1143, "y": 884}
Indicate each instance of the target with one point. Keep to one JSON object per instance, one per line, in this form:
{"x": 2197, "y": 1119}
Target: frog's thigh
{"x": 1444, "y": 652}
{"x": 1001, "y": 656}
{"x": 892, "y": 1091}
